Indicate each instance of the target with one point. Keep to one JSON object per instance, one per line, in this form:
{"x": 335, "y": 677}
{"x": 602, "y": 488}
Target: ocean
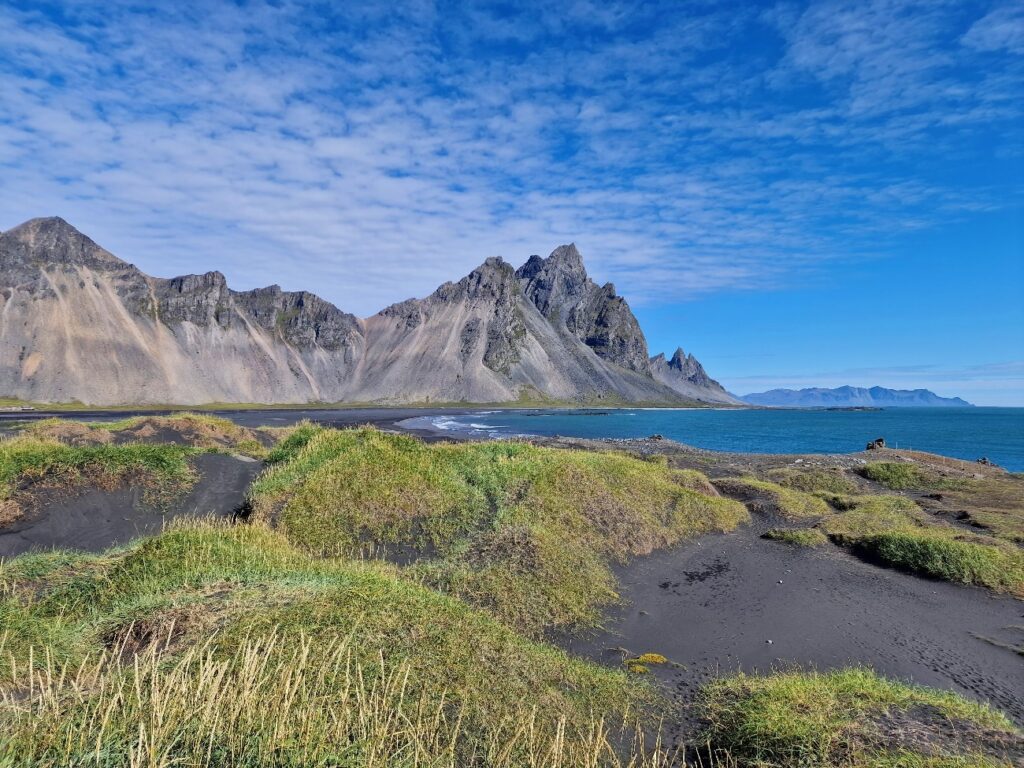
{"x": 964, "y": 433}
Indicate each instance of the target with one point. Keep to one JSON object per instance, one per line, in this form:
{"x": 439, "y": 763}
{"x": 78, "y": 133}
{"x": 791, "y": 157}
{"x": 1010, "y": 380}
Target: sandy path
{"x": 95, "y": 520}
{"x": 713, "y": 604}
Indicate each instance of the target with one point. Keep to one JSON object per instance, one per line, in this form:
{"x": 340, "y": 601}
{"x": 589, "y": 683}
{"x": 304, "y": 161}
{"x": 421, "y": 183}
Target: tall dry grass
{"x": 268, "y": 705}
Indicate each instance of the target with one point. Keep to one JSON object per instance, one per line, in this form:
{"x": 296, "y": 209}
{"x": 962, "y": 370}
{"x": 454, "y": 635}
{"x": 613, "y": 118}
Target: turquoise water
{"x": 965, "y": 433}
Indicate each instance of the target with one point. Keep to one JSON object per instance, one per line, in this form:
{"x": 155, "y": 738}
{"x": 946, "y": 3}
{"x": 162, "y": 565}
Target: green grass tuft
{"x": 800, "y": 537}
{"x": 939, "y": 555}
{"x": 894, "y": 531}
{"x": 850, "y": 718}
{"x": 814, "y": 480}
{"x": 771, "y": 498}
{"x": 902, "y": 476}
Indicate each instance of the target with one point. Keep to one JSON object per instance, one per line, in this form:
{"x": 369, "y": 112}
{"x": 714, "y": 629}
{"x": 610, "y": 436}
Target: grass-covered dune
{"x": 529, "y": 533}
{"x": 218, "y": 645}
{"x": 298, "y": 639}
{"x": 198, "y": 430}
{"x": 152, "y": 452}
{"x": 852, "y": 718}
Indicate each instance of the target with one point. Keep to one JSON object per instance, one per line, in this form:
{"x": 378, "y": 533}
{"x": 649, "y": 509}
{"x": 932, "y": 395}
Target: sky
{"x": 800, "y": 194}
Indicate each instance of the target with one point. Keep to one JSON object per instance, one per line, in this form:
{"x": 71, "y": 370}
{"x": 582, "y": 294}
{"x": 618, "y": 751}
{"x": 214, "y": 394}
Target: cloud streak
{"x": 369, "y": 153}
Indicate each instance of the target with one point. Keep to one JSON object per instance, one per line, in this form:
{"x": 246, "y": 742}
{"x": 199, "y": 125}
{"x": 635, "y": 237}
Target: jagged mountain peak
{"x": 556, "y": 283}
{"x": 679, "y": 358}
{"x": 685, "y": 374}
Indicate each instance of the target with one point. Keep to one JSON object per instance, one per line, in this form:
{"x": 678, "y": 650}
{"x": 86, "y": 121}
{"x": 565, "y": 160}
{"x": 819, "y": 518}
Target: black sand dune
{"x": 96, "y": 519}
{"x": 714, "y": 604}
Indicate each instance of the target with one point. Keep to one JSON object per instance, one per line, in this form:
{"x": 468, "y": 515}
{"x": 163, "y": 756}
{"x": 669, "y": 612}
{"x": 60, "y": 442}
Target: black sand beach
{"x": 96, "y": 519}
{"x": 712, "y": 606}
{"x": 736, "y": 601}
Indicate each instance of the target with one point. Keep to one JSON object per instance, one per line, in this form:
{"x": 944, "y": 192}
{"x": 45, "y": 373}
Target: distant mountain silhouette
{"x": 818, "y": 397}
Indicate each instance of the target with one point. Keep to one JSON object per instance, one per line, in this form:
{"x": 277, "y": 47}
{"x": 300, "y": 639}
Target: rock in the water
{"x": 877, "y": 443}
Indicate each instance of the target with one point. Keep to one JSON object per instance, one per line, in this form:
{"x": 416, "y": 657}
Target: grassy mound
{"x": 906, "y": 475}
{"x": 893, "y": 531}
{"x": 29, "y": 463}
{"x": 198, "y": 430}
{"x": 940, "y": 555}
{"x": 528, "y": 532}
{"x": 228, "y": 646}
{"x": 855, "y": 719}
{"x": 771, "y": 498}
{"x": 993, "y": 504}
{"x": 814, "y": 480}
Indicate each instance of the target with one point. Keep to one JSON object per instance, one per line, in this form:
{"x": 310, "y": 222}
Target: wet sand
{"x": 94, "y": 520}
{"x": 712, "y": 605}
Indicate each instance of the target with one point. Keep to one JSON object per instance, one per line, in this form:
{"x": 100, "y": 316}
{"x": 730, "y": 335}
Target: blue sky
{"x": 799, "y": 193}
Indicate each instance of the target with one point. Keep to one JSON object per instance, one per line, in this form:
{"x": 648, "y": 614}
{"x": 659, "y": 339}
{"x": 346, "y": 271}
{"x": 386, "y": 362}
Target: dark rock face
{"x": 303, "y": 319}
{"x": 561, "y": 290}
{"x": 686, "y": 375}
{"x": 200, "y": 299}
{"x": 492, "y": 286}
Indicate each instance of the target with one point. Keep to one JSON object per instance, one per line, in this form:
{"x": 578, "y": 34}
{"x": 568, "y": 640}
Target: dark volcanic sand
{"x": 712, "y": 605}
{"x": 95, "y": 519}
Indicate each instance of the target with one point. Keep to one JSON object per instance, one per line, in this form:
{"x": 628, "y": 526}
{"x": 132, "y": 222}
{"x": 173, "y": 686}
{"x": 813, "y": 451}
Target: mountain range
{"x": 79, "y": 324}
{"x": 845, "y": 397}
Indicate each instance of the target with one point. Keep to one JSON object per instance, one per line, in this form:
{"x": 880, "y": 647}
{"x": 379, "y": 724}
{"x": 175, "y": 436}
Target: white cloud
{"x": 368, "y": 154}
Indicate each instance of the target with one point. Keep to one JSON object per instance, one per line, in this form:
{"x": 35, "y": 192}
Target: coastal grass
{"x": 199, "y": 430}
{"x": 906, "y": 475}
{"x": 28, "y": 463}
{"x": 993, "y": 504}
{"x": 212, "y": 644}
{"x": 799, "y": 537}
{"x": 894, "y": 531}
{"x": 814, "y": 480}
{"x": 528, "y": 532}
{"x": 772, "y": 498}
{"x": 852, "y": 718}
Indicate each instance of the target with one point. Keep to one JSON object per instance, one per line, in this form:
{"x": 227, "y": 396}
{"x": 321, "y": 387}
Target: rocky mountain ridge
{"x": 79, "y": 324}
{"x": 684, "y": 374}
